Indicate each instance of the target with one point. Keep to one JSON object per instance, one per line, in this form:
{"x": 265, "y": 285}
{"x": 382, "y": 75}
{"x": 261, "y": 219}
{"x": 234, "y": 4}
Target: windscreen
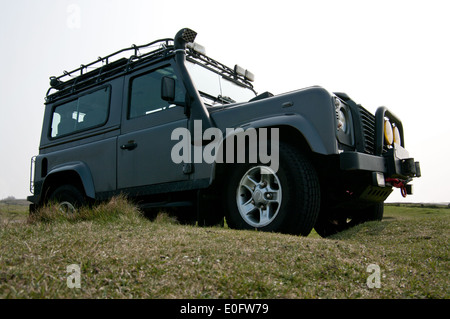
{"x": 215, "y": 89}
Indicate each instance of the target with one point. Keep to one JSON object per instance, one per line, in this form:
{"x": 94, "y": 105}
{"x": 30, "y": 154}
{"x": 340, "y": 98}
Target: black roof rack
{"x": 218, "y": 67}
{"x": 105, "y": 67}
{"x": 115, "y": 63}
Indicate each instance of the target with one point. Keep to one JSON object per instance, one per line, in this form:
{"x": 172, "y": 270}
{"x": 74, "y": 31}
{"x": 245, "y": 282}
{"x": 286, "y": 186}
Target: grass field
{"x": 123, "y": 255}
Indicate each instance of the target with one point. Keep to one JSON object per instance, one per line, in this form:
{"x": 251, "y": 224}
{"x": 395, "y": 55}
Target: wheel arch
{"x": 287, "y": 133}
{"x": 75, "y": 173}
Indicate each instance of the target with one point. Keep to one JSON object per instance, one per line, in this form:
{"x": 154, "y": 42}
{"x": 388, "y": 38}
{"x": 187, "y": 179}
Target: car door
{"x": 144, "y": 146}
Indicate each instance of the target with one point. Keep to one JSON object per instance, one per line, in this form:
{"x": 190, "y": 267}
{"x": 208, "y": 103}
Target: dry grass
{"x": 123, "y": 255}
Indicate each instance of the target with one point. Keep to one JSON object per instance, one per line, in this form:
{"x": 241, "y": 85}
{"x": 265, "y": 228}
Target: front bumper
{"x": 394, "y": 163}
{"x": 392, "y": 169}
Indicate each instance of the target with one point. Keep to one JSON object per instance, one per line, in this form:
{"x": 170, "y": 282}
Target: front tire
{"x": 286, "y": 201}
{"x": 332, "y": 223}
{"x": 68, "y": 198}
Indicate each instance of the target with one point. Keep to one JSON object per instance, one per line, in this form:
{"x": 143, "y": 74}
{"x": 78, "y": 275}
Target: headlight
{"x": 388, "y": 133}
{"x": 342, "y": 120}
{"x": 344, "y": 123}
{"x": 341, "y": 116}
{"x": 397, "y": 137}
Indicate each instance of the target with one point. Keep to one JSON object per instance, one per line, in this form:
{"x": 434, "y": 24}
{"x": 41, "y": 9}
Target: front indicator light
{"x": 388, "y": 133}
{"x": 397, "y": 137}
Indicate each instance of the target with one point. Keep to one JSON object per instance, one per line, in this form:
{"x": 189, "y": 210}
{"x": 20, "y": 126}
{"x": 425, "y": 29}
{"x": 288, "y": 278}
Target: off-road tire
{"x": 300, "y": 195}
{"x": 327, "y": 225}
{"x": 68, "y": 195}
{"x": 372, "y": 213}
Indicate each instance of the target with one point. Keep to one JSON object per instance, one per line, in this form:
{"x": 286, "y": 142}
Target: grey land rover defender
{"x": 139, "y": 122}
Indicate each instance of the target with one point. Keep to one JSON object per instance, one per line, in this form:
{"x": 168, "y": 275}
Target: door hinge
{"x": 188, "y": 168}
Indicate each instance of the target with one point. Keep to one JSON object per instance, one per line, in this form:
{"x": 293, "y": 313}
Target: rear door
{"x": 145, "y": 145}
{"x": 84, "y": 129}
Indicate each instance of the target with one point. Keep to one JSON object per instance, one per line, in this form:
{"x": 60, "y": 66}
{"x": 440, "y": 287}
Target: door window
{"x": 145, "y": 96}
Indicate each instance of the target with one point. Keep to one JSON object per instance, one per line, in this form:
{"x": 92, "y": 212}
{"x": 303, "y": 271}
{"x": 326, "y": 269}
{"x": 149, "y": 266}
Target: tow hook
{"x": 398, "y": 183}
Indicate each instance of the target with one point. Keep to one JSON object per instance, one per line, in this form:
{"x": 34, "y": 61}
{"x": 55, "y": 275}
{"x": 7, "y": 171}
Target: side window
{"x": 85, "y": 112}
{"x": 145, "y": 93}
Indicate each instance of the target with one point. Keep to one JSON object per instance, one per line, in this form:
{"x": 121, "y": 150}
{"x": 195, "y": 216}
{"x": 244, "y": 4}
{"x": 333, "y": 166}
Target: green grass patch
{"x": 117, "y": 209}
{"x": 121, "y": 254}
{"x": 13, "y": 210}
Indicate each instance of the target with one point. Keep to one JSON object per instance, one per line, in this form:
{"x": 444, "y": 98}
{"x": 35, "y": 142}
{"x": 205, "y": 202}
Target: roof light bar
{"x": 197, "y": 47}
{"x": 239, "y": 70}
{"x": 249, "y": 76}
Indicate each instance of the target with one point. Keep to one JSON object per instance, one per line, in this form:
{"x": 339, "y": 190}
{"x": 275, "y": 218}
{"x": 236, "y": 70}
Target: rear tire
{"x": 286, "y": 201}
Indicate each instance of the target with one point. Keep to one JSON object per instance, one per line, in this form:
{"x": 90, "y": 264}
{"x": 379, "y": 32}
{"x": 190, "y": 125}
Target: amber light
{"x": 388, "y": 132}
{"x": 397, "y": 136}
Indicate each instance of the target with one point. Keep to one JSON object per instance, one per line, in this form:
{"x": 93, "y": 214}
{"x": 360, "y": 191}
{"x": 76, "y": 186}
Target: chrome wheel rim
{"x": 259, "y": 196}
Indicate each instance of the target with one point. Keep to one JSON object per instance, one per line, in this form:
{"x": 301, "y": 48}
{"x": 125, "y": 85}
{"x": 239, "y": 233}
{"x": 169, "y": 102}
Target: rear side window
{"x": 87, "y": 111}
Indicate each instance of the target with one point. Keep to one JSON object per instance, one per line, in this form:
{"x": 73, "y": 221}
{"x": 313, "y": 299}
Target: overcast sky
{"x": 391, "y": 53}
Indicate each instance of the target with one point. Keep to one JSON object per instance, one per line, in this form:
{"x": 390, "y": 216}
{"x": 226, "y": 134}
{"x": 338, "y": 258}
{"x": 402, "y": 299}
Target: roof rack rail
{"x": 220, "y": 68}
{"x": 105, "y": 67}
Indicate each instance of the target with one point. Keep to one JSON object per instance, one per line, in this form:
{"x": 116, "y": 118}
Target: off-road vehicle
{"x": 140, "y": 121}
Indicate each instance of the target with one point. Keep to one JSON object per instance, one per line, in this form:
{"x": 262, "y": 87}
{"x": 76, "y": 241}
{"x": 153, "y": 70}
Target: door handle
{"x": 131, "y": 145}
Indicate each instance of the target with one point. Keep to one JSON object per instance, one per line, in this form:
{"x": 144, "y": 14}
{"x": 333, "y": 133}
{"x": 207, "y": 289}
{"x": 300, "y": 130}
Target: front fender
{"x": 293, "y": 121}
{"x": 69, "y": 169}
{"x": 304, "y": 127}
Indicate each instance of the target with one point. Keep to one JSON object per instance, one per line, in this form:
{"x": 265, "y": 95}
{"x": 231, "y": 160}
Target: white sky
{"x": 394, "y": 53}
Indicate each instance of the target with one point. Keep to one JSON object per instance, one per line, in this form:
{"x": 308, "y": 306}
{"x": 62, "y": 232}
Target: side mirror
{"x": 168, "y": 89}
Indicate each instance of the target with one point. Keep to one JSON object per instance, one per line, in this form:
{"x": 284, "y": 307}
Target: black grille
{"x": 368, "y": 130}
{"x": 368, "y": 126}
